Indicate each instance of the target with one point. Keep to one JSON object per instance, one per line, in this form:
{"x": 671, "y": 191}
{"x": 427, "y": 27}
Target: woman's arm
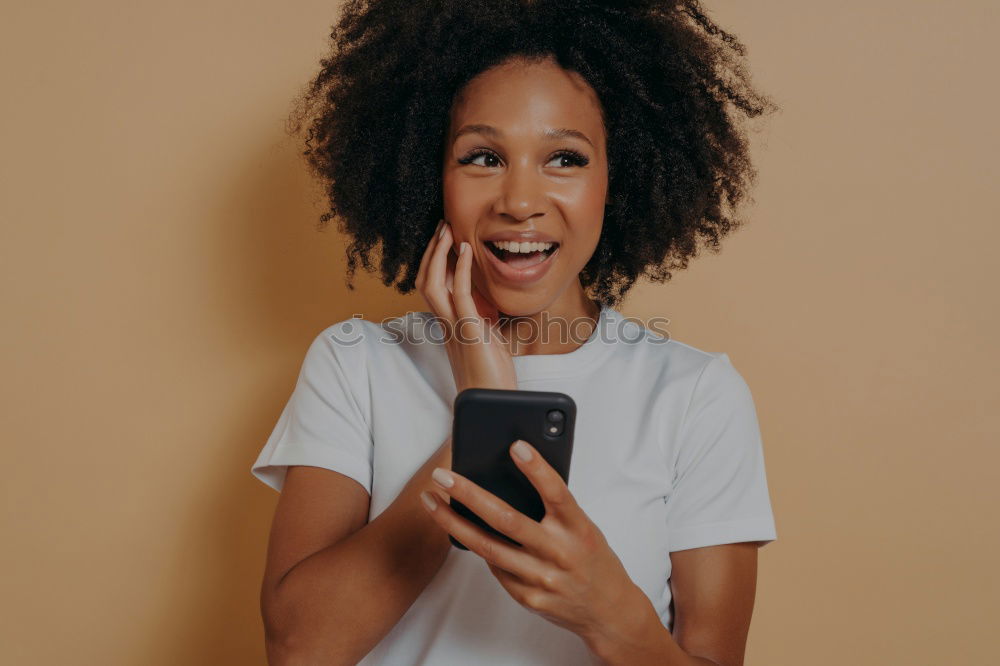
{"x": 335, "y": 605}
{"x": 713, "y": 591}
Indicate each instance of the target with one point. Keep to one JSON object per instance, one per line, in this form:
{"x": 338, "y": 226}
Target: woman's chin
{"x": 512, "y": 303}
{"x": 519, "y": 307}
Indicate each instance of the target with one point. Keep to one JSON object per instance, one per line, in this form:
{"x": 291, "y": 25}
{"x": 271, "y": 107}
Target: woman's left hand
{"x": 565, "y": 570}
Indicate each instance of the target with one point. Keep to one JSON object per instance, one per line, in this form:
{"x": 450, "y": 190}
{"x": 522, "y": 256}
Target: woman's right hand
{"x": 478, "y": 353}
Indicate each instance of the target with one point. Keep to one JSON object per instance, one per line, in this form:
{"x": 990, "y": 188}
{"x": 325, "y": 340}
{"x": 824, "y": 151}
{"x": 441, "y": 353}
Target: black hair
{"x": 673, "y": 87}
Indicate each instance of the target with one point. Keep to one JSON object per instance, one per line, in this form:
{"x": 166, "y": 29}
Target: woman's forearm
{"x": 640, "y": 638}
{"x": 337, "y": 604}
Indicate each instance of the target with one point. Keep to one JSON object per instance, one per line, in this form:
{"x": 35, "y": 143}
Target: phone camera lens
{"x": 555, "y": 425}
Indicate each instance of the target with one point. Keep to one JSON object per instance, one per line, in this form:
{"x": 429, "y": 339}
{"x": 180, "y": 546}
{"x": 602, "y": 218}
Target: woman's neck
{"x": 558, "y": 329}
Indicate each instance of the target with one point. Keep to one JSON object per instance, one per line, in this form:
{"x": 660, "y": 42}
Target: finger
{"x": 422, "y": 270}
{"x": 465, "y": 305}
{"x": 493, "y": 550}
{"x": 531, "y": 596}
{"x": 498, "y": 514}
{"x": 550, "y": 485}
{"x": 506, "y": 577}
{"x": 449, "y": 275}
{"x": 435, "y": 290}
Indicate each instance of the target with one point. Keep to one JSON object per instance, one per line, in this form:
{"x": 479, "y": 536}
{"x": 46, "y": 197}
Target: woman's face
{"x": 525, "y": 155}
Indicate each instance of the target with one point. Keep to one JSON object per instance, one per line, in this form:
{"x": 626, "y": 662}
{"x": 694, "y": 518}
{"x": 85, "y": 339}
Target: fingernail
{"x": 522, "y": 451}
{"x": 443, "y": 227}
{"x": 464, "y": 245}
{"x": 442, "y": 477}
{"x": 428, "y": 501}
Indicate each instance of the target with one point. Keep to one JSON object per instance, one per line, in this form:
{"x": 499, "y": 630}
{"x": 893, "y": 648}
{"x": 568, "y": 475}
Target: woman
{"x": 454, "y": 138}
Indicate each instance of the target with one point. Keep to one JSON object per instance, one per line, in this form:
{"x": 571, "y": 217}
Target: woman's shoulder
{"x": 675, "y": 362}
{"x": 651, "y": 341}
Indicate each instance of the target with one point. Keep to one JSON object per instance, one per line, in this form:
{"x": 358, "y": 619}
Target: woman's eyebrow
{"x": 493, "y": 132}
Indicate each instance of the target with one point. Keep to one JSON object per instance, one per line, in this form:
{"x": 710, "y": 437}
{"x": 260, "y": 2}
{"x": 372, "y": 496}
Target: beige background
{"x": 162, "y": 279}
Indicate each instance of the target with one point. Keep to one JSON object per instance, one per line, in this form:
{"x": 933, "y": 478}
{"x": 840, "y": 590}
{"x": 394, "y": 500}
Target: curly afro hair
{"x": 674, "y": 91}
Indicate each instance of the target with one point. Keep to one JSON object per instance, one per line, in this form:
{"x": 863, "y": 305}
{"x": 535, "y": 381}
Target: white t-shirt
{"x": 667, "y": 455}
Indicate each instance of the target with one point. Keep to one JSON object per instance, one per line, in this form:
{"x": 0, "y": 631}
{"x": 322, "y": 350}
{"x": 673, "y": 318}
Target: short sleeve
{"x": 325, "y": 422}
{"x": 719, "y": 492}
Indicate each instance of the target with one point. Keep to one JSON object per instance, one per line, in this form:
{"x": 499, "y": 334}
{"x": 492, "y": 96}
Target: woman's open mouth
{"x": 521, "y": 262}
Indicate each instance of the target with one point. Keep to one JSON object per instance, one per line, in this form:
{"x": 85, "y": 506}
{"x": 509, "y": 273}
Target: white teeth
{"x": 521, "y": 248}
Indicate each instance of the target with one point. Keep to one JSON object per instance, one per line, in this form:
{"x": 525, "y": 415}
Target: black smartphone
{"x": 486, "y": 423}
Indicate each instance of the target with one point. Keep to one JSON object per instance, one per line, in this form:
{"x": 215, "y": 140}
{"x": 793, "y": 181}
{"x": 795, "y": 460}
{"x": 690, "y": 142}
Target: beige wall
{"x": 162, "y": 279}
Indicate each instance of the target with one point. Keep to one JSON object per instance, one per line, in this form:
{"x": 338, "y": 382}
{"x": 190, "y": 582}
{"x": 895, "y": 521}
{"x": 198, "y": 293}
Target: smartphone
{"x": 486, "y": 423}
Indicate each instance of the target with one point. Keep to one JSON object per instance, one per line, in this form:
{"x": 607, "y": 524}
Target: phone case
{"x": 486, "y": 423}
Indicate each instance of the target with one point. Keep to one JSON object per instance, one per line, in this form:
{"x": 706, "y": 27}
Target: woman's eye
{"x": 475, "y": 155}
{"x": 573, "y": 158}
{"x": 563, "y": 159}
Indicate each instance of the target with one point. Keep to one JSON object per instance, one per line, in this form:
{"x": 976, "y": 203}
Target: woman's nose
{"x": 522, "y": 193}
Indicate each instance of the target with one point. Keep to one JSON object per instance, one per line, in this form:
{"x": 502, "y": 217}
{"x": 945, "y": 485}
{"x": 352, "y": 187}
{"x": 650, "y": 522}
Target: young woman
{"x": 521, "y": 164}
